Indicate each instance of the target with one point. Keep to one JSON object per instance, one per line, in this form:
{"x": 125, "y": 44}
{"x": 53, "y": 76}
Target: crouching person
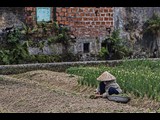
{"x": 107, "y": 85}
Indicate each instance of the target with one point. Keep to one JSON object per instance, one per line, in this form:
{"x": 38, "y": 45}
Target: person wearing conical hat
{"x": 107, "y": 85}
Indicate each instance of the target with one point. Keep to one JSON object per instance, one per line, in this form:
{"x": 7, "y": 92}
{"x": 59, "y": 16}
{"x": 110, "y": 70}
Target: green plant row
{"x": 38, "y": 58}
{"x": 138, "y": 77}
{"x": 50, "y": 58}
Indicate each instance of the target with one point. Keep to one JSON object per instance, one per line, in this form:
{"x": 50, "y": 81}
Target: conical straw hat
{"x": 106, "y": 76}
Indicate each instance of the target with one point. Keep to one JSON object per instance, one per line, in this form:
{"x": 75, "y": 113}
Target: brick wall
{"x": 86, "y": 22}
{"x": 30, "y": 15}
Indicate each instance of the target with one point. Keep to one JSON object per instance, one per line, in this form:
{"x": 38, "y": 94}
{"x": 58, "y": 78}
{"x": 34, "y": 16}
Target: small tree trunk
{"x": 158, "y": 43}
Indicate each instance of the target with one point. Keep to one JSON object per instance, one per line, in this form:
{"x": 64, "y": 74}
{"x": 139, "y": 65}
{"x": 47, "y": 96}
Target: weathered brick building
{"x": 89, "y": 25}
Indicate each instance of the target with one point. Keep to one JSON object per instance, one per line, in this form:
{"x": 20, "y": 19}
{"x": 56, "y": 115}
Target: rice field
{"x": 139, "y": 77}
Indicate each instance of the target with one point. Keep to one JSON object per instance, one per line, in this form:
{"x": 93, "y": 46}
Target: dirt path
{"x": 47, "y": 91}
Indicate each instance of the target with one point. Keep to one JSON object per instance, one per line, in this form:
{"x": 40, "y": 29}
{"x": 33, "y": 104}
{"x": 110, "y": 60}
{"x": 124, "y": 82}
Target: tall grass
{"x": 140, "y": 77}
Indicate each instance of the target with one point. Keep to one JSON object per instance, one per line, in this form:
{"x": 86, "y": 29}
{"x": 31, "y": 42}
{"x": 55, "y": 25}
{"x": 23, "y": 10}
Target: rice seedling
{"x": 140, "y": 77}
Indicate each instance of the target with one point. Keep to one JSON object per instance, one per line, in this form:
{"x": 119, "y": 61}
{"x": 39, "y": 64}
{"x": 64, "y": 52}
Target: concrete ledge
{"x": 59, "y": 67}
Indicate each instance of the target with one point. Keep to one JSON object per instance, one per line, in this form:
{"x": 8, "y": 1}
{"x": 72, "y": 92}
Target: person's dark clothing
{"x": 111, "y": 90}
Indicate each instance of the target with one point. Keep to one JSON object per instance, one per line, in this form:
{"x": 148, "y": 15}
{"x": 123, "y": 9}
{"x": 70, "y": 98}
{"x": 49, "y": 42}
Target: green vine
{"x": 15, "y": 50}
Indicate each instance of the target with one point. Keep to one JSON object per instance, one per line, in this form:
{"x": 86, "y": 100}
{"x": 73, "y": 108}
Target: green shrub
{"x": 119, "y": 50}
{"x": 153, "y": 24}
{"x": 15, "y": 50}
{"x": 103, "y": 53}
{"x": 4, "y": 57}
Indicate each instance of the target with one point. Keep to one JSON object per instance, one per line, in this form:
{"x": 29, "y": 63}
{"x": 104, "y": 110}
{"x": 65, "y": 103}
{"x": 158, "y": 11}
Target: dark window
{"x": 86, "y": 47}
{"x": 103, "y": 45}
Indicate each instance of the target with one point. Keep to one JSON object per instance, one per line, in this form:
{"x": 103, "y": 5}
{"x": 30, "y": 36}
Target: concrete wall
{"x": 11, "y": 16}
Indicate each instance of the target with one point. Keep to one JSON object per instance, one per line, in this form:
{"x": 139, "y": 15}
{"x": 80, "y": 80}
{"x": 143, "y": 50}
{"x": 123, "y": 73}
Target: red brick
{"x": 92, "y": 14}
{"x": 110, "y": 10}
{"x": 29, "y": 8}
{"x": 87, "y": 23}
{"x": 100, "y": 18}
{"x": 87, "y": 14}
{"x": 64, "y": 18}
{"x": 107, "y": 14}
{"x": 106, "y": 10}
{"x": 91, "y": 27}
{"x": 81, "y": 14}
{"x": 75, "y": 19}
{"x": 71, "y": 23}
{"x": 80, "y": 10}
{"x": 98, "y": 14}
{"x": 69, "y": 10}
{"x": 58, "y": 9}
{"x": 66, "y": 14}
{"x": 110, "y": 19}
{"x": 96, "y": 19}
{"x": 85, "y": 9}
{"x": 61, "y": 14}
{"x": 91, "y": 18}
{"x": 59, "y": 18}
{"x": 63, "y": 22}
{"x": 83, "y": 23}
{"x": 107, "y": 23}
{"x": 85, "y": 19}
{"x": 66, "y": 23}
{"x": 102, "y": 23}
{"x": 79, "y": 24}
{"x": 97, "y": 27}
{"x": 101, "y": 10}
{"x": 102, "y": 14}
{"x": 106, "y": 18}
{"x": 91, "y": 10}
{"x": 72, "y": 15}
{"x": 93, "y": 23}
{"x": 97, "y": 23}
{"x": 79, "y": 19}
{"x": 74, "y": 10}
{"x": 63, "y": 9}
